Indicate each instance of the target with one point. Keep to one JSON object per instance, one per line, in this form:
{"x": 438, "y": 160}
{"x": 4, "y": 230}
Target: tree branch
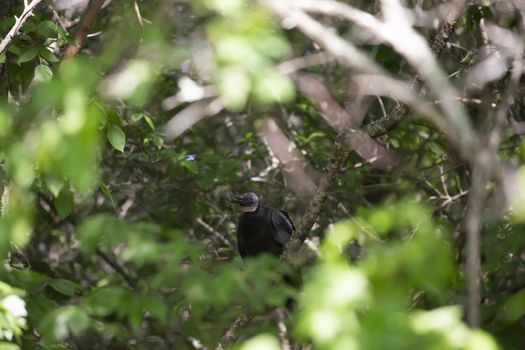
{"x": 339, "y": 157}
{"x": 377, "y": 128}
{"x": 118, "y": 269}
{"x": 28, "y": 11}
{"x": 88, "y": 18}
{"x": 473, "y": 224}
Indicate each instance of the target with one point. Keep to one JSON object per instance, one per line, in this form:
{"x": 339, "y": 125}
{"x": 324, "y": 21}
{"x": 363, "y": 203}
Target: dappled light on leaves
{"x": 261, "y": 342}
{"x": 13, "y": 313}
{"x": 391, "y": 132}
{"x": 363, "y": 305}
{"x": 132, "y": 82}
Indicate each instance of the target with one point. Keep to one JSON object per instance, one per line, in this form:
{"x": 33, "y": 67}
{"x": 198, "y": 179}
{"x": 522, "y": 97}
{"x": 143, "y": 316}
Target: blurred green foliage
{"x": 114, "y": 237}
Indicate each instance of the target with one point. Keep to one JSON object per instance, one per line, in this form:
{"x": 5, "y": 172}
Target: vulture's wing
{"x": 282, "y": 225}
{"x": 241, "y": 245}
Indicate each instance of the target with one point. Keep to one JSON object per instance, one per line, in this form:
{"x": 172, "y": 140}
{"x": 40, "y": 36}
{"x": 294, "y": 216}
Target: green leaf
{"x": 54, "y": 184}
{"x": 15, "y": 49}
{"x": 116, "y": 137}
{"x": 156, "y": 306}
{"x": 234, "y": 87}
{"x": 94, "y": 228}
{"x": 261, "y": 342}
{"x": 38, "y": 307}
{"x": 107, "y": 300}
{"x": 105, "y": 189}
{"x": 64, "y": 203}
{"x": 158, "y": 141}
{"x": 91, "y": 231}
{"x": 47, "y": 55}
{"x": 27, "y": 55}
{"x": 135, "y": 316}
{"x": 64, "y": 322}
{"x": 64, "y": 286}
{"x": 2, "y": 57}
{"x": 30, "y": 280}
{"x": 113, "y": 117}
{"x": 149, "y": 122}
{"x": 8, "y": 346}
{"x": 136, "y": 117}
{"x": 381, "y": 220}
{"x": 43, "y": 73}
{"x": 48, "y": 29}
{"x": 271, "y": 86}
{"x": 515, "y": 306}
{"x": 191, "y": 166}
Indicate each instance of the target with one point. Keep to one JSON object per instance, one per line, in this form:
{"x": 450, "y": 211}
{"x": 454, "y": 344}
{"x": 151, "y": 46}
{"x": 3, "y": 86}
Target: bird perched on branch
{"x": 261, "y": 229}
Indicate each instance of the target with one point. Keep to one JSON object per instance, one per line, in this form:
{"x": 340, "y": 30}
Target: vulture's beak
{"x": 237, "y": 200}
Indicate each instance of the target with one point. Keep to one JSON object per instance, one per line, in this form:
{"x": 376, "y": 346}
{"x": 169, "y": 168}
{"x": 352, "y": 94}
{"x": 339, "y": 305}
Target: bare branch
{"x": 118, "y": 269}
{"x": 292, "y": 161}
{"x": 88, "y": 18}
{"x": 382, "y": 126}
{"x": 216, "y": 233}
{"x": 229, "y": 335}
{"x": 338, "y": 118}
{"x": 283, "y": 330}
{"x": 137, "y": 12}
{"x": 190, "y": 115}
{"x": 397, "y": 31}
{"x": 338, "y": 158}
{"x": 295, "y": 64}
{"x": 342, "y": 50}
{"x": 189, "y": 91}
{"x": 473, "y": 224}
{"x": 28, "y": 12}
{"x": 401, "y": 91}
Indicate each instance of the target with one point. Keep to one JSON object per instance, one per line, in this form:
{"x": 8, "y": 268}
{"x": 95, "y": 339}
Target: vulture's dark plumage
{"x": 261, "y": 229}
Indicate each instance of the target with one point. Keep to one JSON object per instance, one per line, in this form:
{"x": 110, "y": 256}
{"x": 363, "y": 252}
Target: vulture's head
{"x": 248, "y": 201}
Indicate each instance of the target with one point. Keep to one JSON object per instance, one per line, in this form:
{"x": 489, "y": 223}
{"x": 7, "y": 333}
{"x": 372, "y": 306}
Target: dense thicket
{"x": 391, "y": 131}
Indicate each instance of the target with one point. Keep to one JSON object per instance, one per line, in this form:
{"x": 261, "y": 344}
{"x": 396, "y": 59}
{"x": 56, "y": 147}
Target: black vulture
{"x": 261, "y": 229}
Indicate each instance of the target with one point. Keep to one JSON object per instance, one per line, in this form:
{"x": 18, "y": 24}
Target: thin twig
{"x": 28, "y": 11}
{"x": 216, "y": 233}
{"x": 283, "y": 330}
{"x": 380, "y": 127}
{"x": 383, "y": 125}
{"x": 137, "y": 12}
{"x": 118, "y": 269}
{"x": 229, "y": 335}
{"x": 298, "y": 63}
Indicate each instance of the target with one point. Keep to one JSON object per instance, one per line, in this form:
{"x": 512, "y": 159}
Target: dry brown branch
{"x": 88, "y": 18}
{"x": 28, "y": 11}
